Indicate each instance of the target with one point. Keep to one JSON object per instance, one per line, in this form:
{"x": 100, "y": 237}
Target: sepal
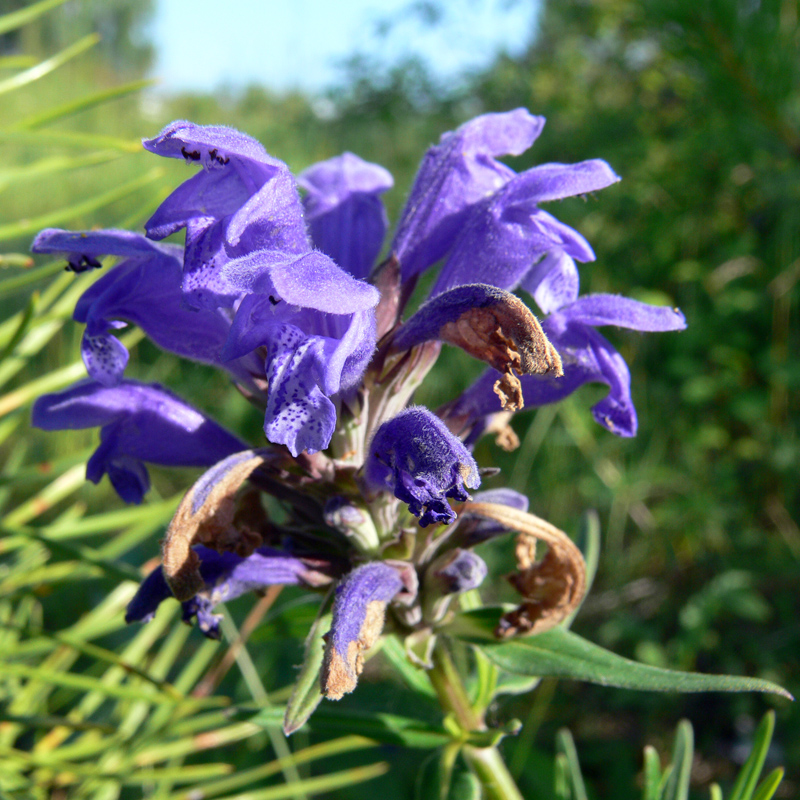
{"x": 359, "y": 611}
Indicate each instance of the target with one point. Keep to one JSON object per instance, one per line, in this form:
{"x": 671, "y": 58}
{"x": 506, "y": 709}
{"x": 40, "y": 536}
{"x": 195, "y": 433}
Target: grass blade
{"x": 48, "y": 65}
{"x": 770, "y": 785}
{"x": 26, "y": 227}
{"x": 317, "y": 786}
{"x": 746, "y": 781}
{"x": 16, "y": 19}
{"x": 565, "y": 745}
{"x": 82, "y": 104}
{"x": 677, "y": 786}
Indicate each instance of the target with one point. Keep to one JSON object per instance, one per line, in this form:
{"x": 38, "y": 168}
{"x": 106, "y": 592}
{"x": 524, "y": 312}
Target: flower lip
{"x": 109, "y": 242}
{"x": 225, "y": 576}
{"x": 139, "y": 423}
{"x": 211, "y": 145}
{"x": 308, "y": 280}
{"x": 453, "y": 176}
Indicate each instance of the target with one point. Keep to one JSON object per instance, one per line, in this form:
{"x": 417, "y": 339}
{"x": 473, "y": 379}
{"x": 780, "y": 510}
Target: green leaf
{"x": 83, "y": 683}
{"x": 746, "y": 781}
{"x": 15, "y": 260}
{"x": 70, "y": 139}
{"x": 588, "y": 540}
{"x": 307, "y": 694}
{"x": 50, "y": 166}
{"x": 22, "y": 327}
{"x": 565, "y": 746}
{"x": 677, "y": 786}
{"x": 307, "y": 755}
{"x": 770, "y": 785}
{"x": 395, "y": 654}
{"x": 314, "y": 787}
{"x": 515, "y": 684}
{"x": 49, "y": 65}
{"x": 384, "y": 728}
{"x": 561, "y": 778}
{"x": 564, "y": 654}
{"x": 82, "y": 104}
{"x": 25, "y": 227}
{"x": 652, "y": 774}
{"x": 16, "y": 19}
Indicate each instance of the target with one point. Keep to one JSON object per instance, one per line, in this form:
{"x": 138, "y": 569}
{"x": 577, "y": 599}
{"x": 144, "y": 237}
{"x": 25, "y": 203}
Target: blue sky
{"x": 286, "y": 44}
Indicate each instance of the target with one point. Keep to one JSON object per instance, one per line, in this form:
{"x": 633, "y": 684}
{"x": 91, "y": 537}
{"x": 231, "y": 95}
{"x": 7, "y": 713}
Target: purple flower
{"x": 586, "y": 355}
{"x": 416, "y": 457}
{"x": 284, "y": 295}
{"x": 344, "y": 213}
{"x": 144, "y": 289}
{"x": 311, "y": 357}
{"x": 358, "y": 616}
{"x": 454, "y": 175}
{"x": 138, "y": 422}
{"x": 247, "y": 247}
{"x": 226, "y": 577}
{"x": 242, "y": 201}
{"x": 507, "y": 232}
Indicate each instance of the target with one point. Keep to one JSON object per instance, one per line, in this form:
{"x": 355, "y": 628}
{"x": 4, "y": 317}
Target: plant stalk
{"x": 485, "y": 762}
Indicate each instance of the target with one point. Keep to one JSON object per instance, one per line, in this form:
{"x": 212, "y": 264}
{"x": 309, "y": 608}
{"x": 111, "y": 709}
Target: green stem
{"x": 485, "y": 762}
{"x": 488, "y": 765}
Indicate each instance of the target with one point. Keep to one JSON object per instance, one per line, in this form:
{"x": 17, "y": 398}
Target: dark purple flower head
{"x": 344, "y": 213}
{"x": 138, "y": 422}
{"x": 416, "y": 457}
{"x": 358, "y": 617}
{"x": 454, "y": 175}
{"x": 284, "y": 295}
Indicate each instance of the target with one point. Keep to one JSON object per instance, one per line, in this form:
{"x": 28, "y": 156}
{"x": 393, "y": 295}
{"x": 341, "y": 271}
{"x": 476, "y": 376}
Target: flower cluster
{"x": 286, "y": 294}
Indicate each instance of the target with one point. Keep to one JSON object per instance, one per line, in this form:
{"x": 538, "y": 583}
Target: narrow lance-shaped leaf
{"x": 561, "y": 653}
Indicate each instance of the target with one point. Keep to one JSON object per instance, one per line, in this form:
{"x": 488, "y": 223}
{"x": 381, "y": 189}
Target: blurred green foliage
{"x": 697, "y": 106}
